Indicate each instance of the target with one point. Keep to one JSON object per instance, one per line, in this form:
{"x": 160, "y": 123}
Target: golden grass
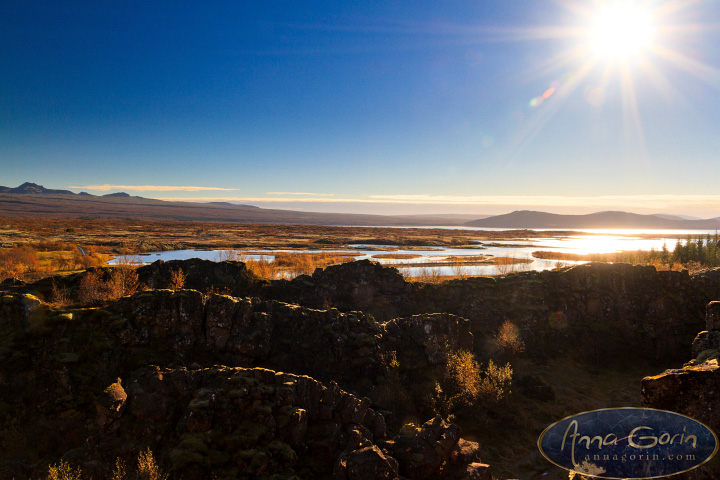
{"x": 292, "y": 264}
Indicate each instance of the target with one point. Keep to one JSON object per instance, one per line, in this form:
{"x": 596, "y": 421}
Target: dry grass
{"x": 27, "y": 262}
{"x": 138, "y": 236}
{"x": 505, "y": 265}
{"x": 292, "y": 264}
{"x": 403, "y": 256}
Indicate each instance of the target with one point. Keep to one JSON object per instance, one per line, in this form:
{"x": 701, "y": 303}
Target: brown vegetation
{"x": 146, "y": 469}
{"x": 509, "y": 337}
{"x": 403, "y": 256}
{"x": 467, "y": 383}
{"x": 177, "y": 279}
{"x": 135, "y": 236}
{"x": 97, "y": 286}
{"x": 284, "y": 264}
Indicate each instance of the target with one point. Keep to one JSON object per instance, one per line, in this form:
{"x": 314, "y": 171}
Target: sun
{"x": 621, "y": 31}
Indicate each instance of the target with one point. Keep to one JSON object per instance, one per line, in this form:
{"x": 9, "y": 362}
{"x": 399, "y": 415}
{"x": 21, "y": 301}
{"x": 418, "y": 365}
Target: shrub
{"x": 63, "y": 471}
{"x": 123, "y": 281}
{"x": 20, "y": 262}
{"x": 119, "y": 471}
{"x": 465, "y": 382}
{"x": 92, "y": 288}
{"x": 464, "y": 374}
{"x": 231, "y": 255}
{"x": 262, "y": 268}
{"x": 496, "y": 382}
{"x": 509, "y": 337}
{"x": 59, "y": 295}
{"x": 148, "y": 469}
{"x": 177, "y": 279}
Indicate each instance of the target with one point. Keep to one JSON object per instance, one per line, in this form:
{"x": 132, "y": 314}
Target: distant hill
{"x": 677, "y": 217}
{"x": 28, "y": 188}
{"x": 533, "y": 219}
{"x": 228, "y": 204}
{"x": 34, "y": 201}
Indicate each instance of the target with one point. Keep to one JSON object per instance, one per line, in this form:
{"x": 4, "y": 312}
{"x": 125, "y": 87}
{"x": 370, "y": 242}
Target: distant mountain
{"x": 454, "y": 216}
{"x": 34, "y": 189}
{"x": 34, "y": 201}
{"x": 228, "y": 204}
{"x": 676, "y": 217}
{"x": 532, "y": 219}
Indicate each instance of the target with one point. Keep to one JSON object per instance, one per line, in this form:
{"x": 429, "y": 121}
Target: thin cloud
{"x": 619, "y": 201}
{"x": 151, "y": 188}
{"x": 272, "y": 199}
{"x": 556, "y": 201}
{"x": 302, "y": 193}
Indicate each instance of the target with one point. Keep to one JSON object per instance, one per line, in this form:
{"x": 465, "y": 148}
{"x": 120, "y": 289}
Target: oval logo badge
{"x": 628, "y": 443}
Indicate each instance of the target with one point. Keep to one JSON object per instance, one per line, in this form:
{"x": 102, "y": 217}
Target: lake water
{"x": 597, "y": 241}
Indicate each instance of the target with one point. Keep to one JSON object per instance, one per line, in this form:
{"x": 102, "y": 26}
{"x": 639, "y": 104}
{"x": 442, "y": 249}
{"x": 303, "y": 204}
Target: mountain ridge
{"x": 35, "y": 201}
{"x": 29, "y": 188}
{"x": 605, "y": 219}
{"x": 31, "y": 200}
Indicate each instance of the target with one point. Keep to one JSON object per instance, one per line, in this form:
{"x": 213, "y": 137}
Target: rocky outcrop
{"x": 640, "y": 312}
{"x": 228, "y": 277}
{"x": 258, "y": 423}
{"x": 363, "y": 285}
{"x": 69, "y": 375}
{"x": 693, "y": 389}
{"x": 327, "y": 344}
{"x": 706, "y": 344}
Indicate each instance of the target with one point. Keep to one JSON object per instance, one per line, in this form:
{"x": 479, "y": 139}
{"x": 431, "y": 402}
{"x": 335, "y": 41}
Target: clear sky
{"x": 482, "y": 106}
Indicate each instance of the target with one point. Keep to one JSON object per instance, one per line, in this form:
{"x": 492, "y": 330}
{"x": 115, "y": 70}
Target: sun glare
{"x": 622, "y": 30}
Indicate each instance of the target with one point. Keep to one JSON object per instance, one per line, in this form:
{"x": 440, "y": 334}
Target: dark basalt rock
{"x": 693, "y": 390}
{"x": 79, "y": 383}
{"x": 257, "y": 422}
{"x": 229, "y": 277}
{"x": 363, "y": 285}
{"x": 639, "y": 312}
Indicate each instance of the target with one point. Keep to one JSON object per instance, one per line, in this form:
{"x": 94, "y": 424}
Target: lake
{"x": 589, "y": 241}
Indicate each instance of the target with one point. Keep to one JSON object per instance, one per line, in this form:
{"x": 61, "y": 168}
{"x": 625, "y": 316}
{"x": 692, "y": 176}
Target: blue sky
{"x": 378, "y": 107}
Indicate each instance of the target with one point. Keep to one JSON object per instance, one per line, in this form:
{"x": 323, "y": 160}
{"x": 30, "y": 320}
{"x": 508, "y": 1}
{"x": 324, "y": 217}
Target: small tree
{"x": 92, "y": 288}
{"x": 465, "y": 382}
{"x": 509, "y": 337}
{"x": 177, "y": 279}
{"x": 123, "y": 281}
{"x": 495, "y": 384}
{"x": 148, "y": 469}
